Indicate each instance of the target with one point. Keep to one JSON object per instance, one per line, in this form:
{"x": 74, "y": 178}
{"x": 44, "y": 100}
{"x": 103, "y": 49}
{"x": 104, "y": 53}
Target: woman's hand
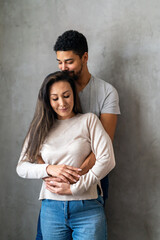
{"x": 64, "y": 172}
{"x": 58, "y": 187}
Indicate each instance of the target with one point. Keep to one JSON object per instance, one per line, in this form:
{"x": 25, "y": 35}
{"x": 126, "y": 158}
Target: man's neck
{"x": 83, "y": 81}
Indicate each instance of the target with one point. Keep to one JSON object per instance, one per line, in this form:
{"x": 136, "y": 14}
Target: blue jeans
{"x": 77, "y": 220}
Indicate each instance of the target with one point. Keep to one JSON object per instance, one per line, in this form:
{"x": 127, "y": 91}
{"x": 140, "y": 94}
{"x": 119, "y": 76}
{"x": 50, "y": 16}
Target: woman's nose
{"x": 62, "y": 102}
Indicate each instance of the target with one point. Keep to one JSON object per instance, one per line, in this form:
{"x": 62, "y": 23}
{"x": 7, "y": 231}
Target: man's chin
{"x": 72, "y": 74}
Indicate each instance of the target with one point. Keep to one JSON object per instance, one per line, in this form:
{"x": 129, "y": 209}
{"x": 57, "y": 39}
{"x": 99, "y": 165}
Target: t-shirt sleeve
{"x": 26, "y": 169}
{"x": 111, "y": 101}
{"x": 101, "y": 146}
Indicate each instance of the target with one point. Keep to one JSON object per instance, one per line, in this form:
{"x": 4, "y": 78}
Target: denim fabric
{"x": 39, "y": 232}
{"x": 77, "y": 220}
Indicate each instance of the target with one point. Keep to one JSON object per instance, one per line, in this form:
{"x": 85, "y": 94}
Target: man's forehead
{"x": 66, "y": 55}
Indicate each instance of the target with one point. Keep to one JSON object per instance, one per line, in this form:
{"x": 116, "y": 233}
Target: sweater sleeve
{"x": 26, "y": 169}
{"x": 101, "y": 146}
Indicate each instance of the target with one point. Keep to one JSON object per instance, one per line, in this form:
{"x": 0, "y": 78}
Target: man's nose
{"x": 64, "y": 67}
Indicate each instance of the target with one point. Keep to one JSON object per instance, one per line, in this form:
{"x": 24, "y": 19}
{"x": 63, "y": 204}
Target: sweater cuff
{"x": 32, "y": 170}
{"x": 74, "y": 189}
{"x": 43, "y": 171}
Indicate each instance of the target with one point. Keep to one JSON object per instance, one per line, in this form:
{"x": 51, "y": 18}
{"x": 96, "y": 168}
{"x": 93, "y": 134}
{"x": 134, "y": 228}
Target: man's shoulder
{"x": 100, "y": 82}
{"x": 102, "y": 87}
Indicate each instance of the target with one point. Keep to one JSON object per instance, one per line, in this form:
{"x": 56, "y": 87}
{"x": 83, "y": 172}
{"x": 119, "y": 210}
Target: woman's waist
{"x": 91, "y": 193}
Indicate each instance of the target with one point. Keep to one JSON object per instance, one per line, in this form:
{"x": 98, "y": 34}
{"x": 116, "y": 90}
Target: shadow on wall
{"x": 133, "y": 183}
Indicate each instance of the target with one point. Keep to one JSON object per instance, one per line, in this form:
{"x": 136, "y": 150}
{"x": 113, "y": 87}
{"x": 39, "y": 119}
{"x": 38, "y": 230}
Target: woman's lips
{"x": 63, "y": 109}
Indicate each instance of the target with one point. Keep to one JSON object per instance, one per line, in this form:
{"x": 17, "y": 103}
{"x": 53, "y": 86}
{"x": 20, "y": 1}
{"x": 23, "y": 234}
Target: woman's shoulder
{"x": 88, "y": 116}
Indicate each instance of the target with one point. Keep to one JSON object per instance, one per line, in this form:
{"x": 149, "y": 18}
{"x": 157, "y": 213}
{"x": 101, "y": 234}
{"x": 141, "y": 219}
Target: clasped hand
{"x": 61, "y": 178}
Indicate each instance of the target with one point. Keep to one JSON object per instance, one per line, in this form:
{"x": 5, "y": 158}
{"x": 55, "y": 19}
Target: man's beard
{"x": 77, "y": 75}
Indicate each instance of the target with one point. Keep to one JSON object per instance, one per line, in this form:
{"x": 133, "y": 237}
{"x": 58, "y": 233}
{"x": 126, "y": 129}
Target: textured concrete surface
{"x": 124, "y": 50}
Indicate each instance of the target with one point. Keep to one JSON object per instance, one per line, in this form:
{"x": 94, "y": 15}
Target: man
{"x": 96, "y": 95}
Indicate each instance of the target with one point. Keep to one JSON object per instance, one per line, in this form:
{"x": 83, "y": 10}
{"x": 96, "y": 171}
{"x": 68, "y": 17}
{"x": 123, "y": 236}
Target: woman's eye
{"x": 54, "y": 99}
{"x": 67, "y": 96}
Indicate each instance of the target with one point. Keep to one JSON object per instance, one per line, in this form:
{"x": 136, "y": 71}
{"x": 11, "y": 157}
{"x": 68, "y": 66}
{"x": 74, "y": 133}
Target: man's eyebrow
{"x": 68, "y": 59}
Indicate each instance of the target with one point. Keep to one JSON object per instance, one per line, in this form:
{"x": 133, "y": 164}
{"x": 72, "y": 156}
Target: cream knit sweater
{"x": 69, "y": 142}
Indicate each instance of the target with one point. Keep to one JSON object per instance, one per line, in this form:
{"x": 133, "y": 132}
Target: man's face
{"x": 71, "y": 62}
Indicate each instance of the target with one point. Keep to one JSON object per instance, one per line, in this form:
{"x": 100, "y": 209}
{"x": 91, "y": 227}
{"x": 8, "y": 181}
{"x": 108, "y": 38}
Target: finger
{"x": 55, "y": 190}
{"x": 70, "y": 177}
{"x": 46, "y": 178}
{"x": 49, "y": 179}
{"x": 63, "y": 178}
{"x": 55, "y": 180}
{"x": 72, "y": 182}
{"x": 73, "y": 168}
{"x": 73, "y": 173}
{"x": 59, "y": 185}
{"x": 56, "y": 184}
{"x": 51, "y": 189}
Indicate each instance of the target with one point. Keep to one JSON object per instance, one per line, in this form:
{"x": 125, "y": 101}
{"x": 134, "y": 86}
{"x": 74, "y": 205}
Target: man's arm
{"x": 40, "y": 160}
{"x": 109, "y": 122}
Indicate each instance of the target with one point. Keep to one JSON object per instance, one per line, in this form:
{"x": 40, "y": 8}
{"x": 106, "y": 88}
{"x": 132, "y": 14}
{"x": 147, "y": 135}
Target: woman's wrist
{"x": 48, "y": 169}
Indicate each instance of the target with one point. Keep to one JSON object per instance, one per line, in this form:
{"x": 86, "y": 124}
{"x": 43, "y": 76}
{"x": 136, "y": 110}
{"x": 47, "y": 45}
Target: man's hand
{"x": 58, "y": 187}
{"x": 64, "y": 172}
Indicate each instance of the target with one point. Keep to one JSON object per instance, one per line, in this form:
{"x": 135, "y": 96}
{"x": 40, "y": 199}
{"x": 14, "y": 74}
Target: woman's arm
{"x": 27, "y": 169}
{"x": 30, "y": 170}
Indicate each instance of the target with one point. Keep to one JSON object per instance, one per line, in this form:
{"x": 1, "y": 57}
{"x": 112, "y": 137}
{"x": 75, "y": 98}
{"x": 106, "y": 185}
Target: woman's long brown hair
{"x": 45, "y": 116}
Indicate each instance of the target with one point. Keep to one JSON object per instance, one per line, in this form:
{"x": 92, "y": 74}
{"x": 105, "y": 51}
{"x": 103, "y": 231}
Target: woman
{"x": 64, "y": 138}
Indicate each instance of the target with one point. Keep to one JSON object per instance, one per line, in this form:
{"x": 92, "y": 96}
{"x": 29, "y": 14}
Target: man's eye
{"x": 70, "y": 62}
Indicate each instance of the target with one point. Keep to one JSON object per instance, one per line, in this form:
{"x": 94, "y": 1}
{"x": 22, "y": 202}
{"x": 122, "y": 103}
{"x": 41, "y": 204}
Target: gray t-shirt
{"x": 99, "y": 97}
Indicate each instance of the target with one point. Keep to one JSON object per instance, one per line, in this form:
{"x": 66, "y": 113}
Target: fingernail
{"x": 75, "y": 180}
{"x": 79, "y": 169}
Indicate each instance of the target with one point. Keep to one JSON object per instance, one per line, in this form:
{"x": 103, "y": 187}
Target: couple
{"x": 74, "y": 148}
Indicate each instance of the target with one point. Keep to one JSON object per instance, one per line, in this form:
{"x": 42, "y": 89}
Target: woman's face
{"x": 62, "y": 99}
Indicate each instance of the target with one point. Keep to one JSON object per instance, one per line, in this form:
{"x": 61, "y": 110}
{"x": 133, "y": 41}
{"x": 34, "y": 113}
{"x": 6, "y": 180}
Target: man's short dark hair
{"x": 72, "y": 41}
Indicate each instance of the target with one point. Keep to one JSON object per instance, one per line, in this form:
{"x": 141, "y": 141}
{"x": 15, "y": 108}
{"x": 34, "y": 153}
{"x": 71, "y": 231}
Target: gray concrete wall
{"x": 124, "y": 49}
